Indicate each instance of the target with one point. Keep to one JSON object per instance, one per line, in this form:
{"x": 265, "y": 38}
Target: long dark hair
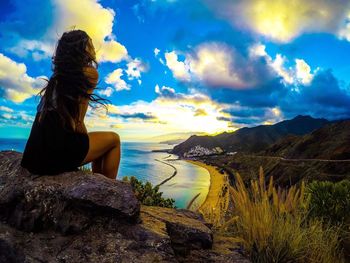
{"x": 68, "y": 83}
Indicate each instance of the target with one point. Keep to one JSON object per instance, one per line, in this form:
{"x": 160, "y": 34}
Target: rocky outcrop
{"x": 85, "y": 217}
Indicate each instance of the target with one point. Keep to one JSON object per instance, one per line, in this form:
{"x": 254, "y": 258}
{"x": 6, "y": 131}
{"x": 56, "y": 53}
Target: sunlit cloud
{"x": 300, "y": 73}
{"x": 16, "y": 84}
{"x": 303, "y": 71}
{"x": 115, "y": 79}
{"x": 134, "y": 69}
{"x": 216, "y": 64}
{"x": 179, "y": 69}
{"x": 106, "y": 92}
{"x": 169, "y": 112}
{"x": 77, "y": 14}
{"x": 283, "y": 21}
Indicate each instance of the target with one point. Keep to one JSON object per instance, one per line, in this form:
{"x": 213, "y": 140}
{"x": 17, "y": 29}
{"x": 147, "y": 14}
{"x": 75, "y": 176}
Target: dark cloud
{"x": 266, "y": 95}
{"x": 324, "y": 97}
{"x": 138, "y": 115}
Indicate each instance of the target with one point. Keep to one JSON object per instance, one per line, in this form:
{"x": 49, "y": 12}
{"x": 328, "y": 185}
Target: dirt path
{"x": 302, "y": 160}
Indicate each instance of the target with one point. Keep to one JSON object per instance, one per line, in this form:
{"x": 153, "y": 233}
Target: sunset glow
{"x": 183, "y": 66}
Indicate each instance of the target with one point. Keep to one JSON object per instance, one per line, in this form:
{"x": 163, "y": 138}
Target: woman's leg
{"x": 111, "y": 161}
{"x": 96, "y": 165}
{"x": 104, "y": 146}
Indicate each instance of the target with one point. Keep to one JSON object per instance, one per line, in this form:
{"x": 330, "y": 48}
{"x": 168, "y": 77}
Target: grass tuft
{"x": 272, "y": 224}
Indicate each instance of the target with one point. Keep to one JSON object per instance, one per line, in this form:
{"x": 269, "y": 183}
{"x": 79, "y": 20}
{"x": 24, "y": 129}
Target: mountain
{"x": 253, "y": 139}
{"x": 331, "y": 142}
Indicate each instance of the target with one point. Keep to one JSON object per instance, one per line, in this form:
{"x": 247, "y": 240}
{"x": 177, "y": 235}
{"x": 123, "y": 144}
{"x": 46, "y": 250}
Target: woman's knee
{"x": 115, "y": 138}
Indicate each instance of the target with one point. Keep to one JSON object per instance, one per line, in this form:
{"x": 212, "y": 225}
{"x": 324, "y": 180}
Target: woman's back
{"x": 59, "y": 140}
{"x": 52, "y": 148}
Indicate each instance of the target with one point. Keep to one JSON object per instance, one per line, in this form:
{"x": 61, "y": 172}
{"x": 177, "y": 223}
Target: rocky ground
{"x": 85, "y": 217}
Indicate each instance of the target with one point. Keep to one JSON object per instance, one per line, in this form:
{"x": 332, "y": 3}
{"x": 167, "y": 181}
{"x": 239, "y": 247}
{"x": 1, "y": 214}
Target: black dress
{"x": 53, "y": 149}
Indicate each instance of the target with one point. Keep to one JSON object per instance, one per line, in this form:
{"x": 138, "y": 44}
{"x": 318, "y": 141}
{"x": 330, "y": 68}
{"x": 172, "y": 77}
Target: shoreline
{"x": 170, "y": 177}
{"x": 217, "y": 200}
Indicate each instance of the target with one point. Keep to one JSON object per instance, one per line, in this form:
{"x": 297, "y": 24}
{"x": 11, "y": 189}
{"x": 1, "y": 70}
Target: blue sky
{"x": 181, "y": 66}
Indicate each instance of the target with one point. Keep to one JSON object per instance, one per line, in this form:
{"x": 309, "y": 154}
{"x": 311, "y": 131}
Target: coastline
{"x": 217, "y": 200}
{"x": 170, "y": 177}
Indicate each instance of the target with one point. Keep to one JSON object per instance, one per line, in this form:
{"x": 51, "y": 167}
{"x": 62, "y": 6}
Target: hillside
{"x": 320, "y": 155}
{"x": 331, "y": 142}
{"x": 253, "y": 139}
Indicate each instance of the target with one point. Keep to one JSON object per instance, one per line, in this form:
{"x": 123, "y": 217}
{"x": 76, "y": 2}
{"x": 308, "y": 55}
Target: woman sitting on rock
{"x": 58, "y": 140}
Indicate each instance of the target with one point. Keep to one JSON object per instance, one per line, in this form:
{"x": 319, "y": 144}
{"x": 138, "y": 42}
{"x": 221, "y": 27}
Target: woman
{"x": 58, "y": 140}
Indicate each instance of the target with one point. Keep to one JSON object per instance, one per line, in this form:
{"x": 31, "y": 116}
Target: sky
{"x": 183, "y": 66}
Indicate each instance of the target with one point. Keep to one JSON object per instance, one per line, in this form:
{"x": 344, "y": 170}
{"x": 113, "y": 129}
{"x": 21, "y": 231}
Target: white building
{"x": 202, "y": 151}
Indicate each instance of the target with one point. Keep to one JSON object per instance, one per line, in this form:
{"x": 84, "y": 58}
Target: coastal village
{"x": 199, "y": 151}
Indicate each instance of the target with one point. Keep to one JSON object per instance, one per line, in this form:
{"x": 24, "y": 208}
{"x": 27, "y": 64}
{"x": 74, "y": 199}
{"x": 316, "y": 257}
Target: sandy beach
{"x": 217, "y": 201}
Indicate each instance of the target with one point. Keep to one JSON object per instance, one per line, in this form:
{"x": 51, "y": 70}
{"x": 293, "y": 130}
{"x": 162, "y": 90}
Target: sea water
{"x": 138, "y": 160}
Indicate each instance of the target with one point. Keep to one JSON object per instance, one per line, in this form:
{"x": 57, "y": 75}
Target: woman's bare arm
{"x": 92, "y": 76}
{"x": 80, "y": 126}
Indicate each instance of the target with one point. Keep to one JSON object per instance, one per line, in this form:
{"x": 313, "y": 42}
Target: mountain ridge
{"x": 331, "y": 142}
{"x": 253, "y": 139}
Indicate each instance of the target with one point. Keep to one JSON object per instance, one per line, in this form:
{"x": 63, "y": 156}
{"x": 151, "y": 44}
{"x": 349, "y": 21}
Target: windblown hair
{"x": 68, "y": 83}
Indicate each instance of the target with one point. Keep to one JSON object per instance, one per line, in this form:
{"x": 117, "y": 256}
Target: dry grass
{"x": 272, "y": 224}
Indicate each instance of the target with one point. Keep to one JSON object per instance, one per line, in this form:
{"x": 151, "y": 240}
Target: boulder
{"x": 68, "y": 201}
{"x": 85, "y": 217}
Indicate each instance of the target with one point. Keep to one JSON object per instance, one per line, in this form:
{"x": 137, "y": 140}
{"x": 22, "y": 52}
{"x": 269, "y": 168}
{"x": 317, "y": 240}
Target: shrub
{"x": 330, "y": 201}
{"x": 147, "y": 194}
{"x": 85, "y": 168}
{"x": 272, "y": 227}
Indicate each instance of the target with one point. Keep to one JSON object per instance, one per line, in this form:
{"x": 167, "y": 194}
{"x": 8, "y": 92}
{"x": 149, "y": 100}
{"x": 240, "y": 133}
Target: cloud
{"x": 301, "y": 73}
{"x": 6, "y": 109}
{"x": 137, "y": 115}
{"x": 156, "y": 51}
{"x": 111, "y": 51}
{"x": 10, "y": 117}
{"x": 179, "y": 69}
{"x": 115, "y": 79}
{"x": 215, "y": 64}
{"x": 17, "y": 86}
{"x": 344, "y": 32}
{"x": 134, "y": 69}
{"x": 323, "y": 97}
{"x": 202, "y": 112}
{"x": 169, "y": 112}
{"x": 106, "y": 92}
{"x": 283, "y": 21}
{"x": 165, "y": 91}
{"x": 88, "y": 15}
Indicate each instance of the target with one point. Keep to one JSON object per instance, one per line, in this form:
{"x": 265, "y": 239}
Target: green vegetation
{"x": 330, "y": 201}
{"x": 272, "y": 225}
{"x": 85, "y": 168}
{"x": 149, "y": 195}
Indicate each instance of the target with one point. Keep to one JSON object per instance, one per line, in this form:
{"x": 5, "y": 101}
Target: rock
{"x": 67, "y": 201}
{"x": 86, "y": 217}
{"x": 187, "y": 231}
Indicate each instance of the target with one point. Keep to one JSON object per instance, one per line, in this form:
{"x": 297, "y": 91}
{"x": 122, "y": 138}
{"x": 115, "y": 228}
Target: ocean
{"x": 138, "y": 160}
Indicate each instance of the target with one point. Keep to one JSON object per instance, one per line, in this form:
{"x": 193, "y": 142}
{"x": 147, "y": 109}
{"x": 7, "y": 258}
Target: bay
{"x": 138, "y": 160}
